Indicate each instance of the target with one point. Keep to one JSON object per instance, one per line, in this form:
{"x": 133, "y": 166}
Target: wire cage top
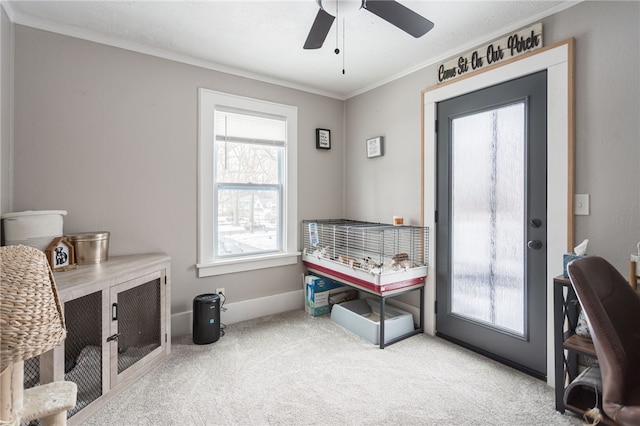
{"x": 375, "y": 248}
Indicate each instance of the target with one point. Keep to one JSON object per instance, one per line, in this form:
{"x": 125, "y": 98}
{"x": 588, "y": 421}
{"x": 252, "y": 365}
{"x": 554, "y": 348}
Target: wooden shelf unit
{"x": 568, "y": 346}
{"x": 111, "y": 310}
{"x": 580, "y": 344}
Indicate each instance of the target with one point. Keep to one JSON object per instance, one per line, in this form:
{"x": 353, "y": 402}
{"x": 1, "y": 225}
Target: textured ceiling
{"x": 263, "y": 39}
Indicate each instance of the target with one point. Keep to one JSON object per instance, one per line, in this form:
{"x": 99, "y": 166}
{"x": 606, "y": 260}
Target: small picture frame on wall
{"x": 323, "y": 139}
{"x": 374, "y": 147}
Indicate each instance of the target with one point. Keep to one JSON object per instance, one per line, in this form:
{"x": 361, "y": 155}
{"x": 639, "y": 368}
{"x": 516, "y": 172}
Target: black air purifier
{"x": 206, "y": 319}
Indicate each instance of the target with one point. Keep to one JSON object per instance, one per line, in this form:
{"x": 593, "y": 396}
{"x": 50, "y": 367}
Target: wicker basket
{"x": 30, "y": 312}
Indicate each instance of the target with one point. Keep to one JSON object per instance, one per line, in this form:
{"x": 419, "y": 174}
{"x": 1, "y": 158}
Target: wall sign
{"x": 323, "y": 139}
{"x": 507, "y": 47}
{"x": 374, "y": 147}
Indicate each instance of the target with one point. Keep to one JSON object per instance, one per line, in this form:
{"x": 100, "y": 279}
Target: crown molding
{"x": 470, "y": 45}
{"x": 70, "y": 31}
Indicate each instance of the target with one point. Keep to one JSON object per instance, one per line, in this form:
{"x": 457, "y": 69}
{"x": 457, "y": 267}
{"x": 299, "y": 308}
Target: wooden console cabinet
{"x": 118, "y": 320}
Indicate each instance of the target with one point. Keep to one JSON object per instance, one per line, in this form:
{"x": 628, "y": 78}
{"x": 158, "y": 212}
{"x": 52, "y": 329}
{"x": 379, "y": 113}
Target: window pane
{"x": 248, "y": 221}
{"x": 247, "y": 163}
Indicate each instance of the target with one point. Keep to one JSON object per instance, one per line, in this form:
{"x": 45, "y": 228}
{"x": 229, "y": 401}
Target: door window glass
{"x": 488, "y": 175}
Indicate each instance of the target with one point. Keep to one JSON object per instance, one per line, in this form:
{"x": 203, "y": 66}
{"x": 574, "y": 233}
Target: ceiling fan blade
{"x": 319, "y": 30}
{"x": 400, "y": 16}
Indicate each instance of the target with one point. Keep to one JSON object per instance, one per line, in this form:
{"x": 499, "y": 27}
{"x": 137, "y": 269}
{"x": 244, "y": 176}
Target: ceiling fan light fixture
{"x": 340, "y": 7}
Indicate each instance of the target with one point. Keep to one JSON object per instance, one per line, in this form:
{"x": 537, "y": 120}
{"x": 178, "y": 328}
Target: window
{"x": 247, "y": 189}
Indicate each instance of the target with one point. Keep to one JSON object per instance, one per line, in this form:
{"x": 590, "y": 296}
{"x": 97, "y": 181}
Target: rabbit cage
{"x": 374, "y": 256}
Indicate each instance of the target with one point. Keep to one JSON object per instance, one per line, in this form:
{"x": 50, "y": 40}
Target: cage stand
{"x": 383, "y": 296}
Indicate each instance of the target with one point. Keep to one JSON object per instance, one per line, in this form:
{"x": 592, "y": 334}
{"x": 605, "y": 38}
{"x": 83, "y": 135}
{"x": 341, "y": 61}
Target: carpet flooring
{"x": 293, "y": 369}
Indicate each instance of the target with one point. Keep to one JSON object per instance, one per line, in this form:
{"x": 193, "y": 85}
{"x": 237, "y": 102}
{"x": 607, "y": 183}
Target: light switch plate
{"x": 581, "y": 204}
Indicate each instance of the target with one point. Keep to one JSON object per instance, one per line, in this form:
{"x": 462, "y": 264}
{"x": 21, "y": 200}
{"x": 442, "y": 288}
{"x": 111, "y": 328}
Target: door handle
{"x": 535, "y": 244}
{"x": 113, "y": 337}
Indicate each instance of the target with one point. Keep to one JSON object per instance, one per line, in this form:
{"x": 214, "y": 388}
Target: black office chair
{"x": 612, "y": 309}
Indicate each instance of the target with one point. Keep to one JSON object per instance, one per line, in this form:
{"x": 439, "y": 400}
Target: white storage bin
{"x": 34, "y": 228}
{"x": 362, "y": 317}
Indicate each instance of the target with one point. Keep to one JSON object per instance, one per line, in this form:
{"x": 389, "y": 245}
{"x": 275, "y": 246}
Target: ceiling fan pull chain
{"x": 343, "y": 48}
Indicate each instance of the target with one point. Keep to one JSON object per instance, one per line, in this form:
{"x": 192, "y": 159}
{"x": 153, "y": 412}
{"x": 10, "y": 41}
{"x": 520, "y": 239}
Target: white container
{"x": 34, "y": 228}
{"x": 362, "y": 317}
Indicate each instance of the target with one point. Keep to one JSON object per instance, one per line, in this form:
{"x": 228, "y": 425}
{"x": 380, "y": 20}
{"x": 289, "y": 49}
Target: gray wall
{"x": 111, "y": 136}
{"x": 6, "y": 46}
{"x": 607, "y": 121}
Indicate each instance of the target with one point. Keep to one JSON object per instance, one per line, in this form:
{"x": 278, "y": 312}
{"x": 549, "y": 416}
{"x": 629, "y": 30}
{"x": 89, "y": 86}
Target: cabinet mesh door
{"x": 138, "y": 323}
{"x": 83, "y": 348}
{"x": 82, "y": 354}
{"x": 31, "y": 379}
{"x": 32, "y": 372}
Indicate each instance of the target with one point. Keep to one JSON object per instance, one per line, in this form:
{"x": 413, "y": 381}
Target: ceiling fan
{"x": 389, "y": 10}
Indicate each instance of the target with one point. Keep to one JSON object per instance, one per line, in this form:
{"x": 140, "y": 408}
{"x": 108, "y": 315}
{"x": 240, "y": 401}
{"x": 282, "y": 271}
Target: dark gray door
{"x": 491, "y": 222}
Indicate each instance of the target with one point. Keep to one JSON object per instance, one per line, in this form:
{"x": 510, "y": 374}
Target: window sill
{"x": 246, "y": 264}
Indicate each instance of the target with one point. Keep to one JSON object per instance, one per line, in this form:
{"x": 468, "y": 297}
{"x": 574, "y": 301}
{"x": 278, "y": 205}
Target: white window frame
{"x": 207, "y": 264}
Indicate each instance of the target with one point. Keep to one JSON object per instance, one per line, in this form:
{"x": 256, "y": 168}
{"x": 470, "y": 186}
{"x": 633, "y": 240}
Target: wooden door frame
{"x": 557, "y": 59}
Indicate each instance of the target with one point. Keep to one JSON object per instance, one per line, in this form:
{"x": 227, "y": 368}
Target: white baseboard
{"x": 181, "y": 324}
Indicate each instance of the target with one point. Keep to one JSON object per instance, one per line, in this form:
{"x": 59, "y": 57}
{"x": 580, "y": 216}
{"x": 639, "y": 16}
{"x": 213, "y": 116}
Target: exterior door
{"x": 491, "y": 222}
